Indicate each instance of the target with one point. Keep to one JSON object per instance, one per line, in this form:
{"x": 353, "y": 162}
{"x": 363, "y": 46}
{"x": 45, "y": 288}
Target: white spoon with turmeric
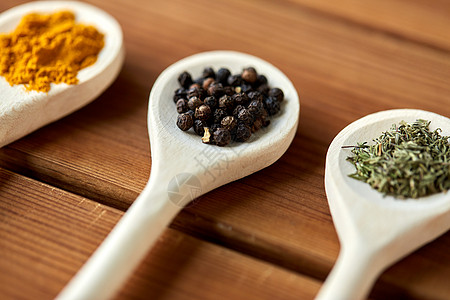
{"x": 183, "y": 168}
{"x": 376, "y": 231}
{"x": 22, "y": 111}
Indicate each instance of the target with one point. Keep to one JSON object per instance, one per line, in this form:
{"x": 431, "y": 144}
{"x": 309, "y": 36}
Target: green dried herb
{"x": 409, "y": 161}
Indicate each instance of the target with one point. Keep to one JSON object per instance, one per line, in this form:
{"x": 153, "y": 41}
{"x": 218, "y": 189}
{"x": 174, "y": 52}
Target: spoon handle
{"x": 125, "y": 247}
{"x": 352, "y": 276}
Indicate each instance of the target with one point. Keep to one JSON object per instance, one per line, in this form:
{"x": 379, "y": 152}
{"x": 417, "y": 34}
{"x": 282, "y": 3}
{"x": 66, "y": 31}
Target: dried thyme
{"x": 409, "y": 161}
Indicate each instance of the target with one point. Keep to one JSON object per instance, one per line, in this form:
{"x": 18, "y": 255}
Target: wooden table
{"x": 267, "y": 236}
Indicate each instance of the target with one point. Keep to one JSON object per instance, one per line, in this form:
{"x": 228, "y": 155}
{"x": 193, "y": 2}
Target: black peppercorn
{"x": 211, "y": 101}
{"x": 246, "y": 88}
{"x": 226, "y": 102}
{"x": 240, "y": 98}
{"x": 264, "y": 114}
{"x": 203, "y": 93}
{"x": 237, "y": 109}
{"x": 219, "y": 114}
{"x": 255, "y": 95}
{"x": 182, "y": 106}
{"x": 214, "y": 126}
{"x": 209, "y": 73}
{"x": 222, "y": 75}
{"x": 207, "y": 82}
{"x": 228, "y": 90}
{"x": 255, "y": 108}
{"x": 271, "y": 105}
{"x": 194, "y": 102}
{"x": 234, "y": 80}
{"x": 215, "y": 89}
{"x": 193, "y": 92}
{"x": 199, "y": 127}
{"x": 260, "y": 80}
{"x": 179, "y": 94}
{"x": 203, "y": 112}
{"x": 195, "y": 85}
{"x": 243, "y": 133}
{"x": 222, "y": 137}
{"x": 277, "y": 94}
{"x": 196, "y": 91}
{"x": 192, "y": 113}
{"x": 229, "y": 123}
{"x": 244, "y": 116}
{"x": 263, "y": 89}
{"x": 265, "y": 117}
{"x": 249, "y": 74}
{"x": 185, "y": 121}
{"x": 185, "y": 79}
{"x": 257, "y": 124}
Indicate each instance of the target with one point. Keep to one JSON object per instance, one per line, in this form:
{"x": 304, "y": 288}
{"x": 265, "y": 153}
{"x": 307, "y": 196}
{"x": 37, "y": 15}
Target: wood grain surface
{"x": 269, "y": 235}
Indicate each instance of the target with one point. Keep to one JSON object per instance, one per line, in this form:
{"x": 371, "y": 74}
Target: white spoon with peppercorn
{"x": 377, "y": 228}
{"x": 30, "y": 98}
{"x": 183, "y": 166}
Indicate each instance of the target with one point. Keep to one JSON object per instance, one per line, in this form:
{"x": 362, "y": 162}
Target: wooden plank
{"x": 280, "y": 214}
{"x": 423, "y": 21}
{"x": 46, "y": 234}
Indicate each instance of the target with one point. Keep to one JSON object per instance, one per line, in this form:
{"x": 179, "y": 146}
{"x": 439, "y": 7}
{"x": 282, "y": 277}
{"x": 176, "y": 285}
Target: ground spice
{"x": 48, "y": 48}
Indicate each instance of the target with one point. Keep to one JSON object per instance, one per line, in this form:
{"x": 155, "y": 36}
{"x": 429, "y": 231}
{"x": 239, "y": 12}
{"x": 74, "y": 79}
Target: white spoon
{"x": 22, "y": 112}
{"x": 375, "y": 231}
{"x": 183, "y": 168}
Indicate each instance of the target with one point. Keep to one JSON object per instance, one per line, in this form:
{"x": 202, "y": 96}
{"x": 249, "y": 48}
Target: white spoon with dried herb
{"x": 375, "y": 230}
{"x": 183, "y": 168}
{"x": 23, "y": 111}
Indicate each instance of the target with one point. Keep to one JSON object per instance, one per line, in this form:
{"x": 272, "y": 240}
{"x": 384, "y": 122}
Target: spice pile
{"x": 48, "y": 48}
{"x": 409, "y": 161}
{"x": 224, "y": 107}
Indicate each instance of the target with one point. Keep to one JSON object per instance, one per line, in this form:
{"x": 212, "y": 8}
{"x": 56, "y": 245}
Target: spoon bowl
{"x": 375, "y": 230}
{"x": 22, "y": 112}
{"x": 183, "y": 168}
{"x": 215, "y": 166}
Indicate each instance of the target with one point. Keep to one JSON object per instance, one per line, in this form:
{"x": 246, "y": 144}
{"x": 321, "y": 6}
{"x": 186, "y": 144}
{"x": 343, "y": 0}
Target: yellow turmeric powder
{"x": 48, "y": 48}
